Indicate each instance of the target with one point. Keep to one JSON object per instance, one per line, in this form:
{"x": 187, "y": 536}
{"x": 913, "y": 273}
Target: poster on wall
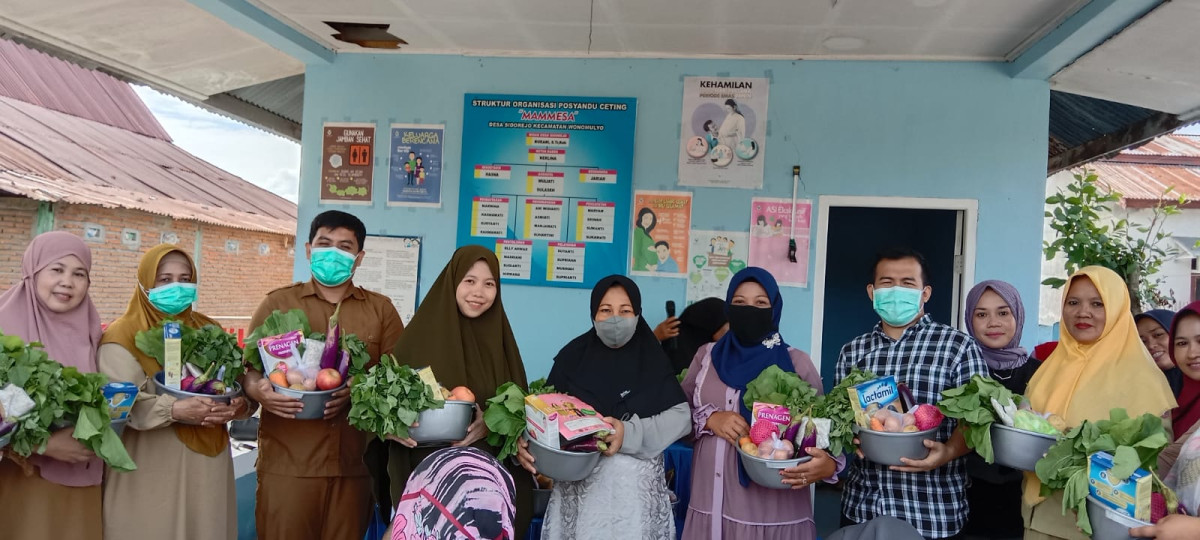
{"x": 713, "y": 260}
{"x": 415, "y": 173}
{"x": 723, "y": 132}
{"x": 390, "y": 268}
{"x": 347, "y": 162}
{"x": 770, "y": 231}
{"x": 662, "y": 221}
{"x": 546, "y": 181}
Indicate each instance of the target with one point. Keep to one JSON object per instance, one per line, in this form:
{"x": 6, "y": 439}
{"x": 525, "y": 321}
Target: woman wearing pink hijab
{"x": 56, "y": 494}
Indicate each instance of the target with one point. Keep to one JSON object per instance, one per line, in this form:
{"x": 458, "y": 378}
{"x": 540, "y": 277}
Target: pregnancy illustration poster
{"x": 347, "y": 162}
{"x": 415, "y": 173}
{"x": 770, "y": 230}
{"x": 723, "y": 132}
{"x": 547, "y": 181}
{"x": 713, "y": 260}
{"x": 662, "y": 223}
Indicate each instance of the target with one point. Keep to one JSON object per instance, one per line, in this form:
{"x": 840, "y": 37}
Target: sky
{"x": 261, "y": 158}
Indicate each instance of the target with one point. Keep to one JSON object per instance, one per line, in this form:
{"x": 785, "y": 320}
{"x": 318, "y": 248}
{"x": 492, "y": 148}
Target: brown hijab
{"x": 478, "y": 353}
{"x": 142, "y": 315}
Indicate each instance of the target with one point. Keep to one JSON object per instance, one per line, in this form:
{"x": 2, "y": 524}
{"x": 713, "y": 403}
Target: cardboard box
{"x": 120, "y": 396}
{"x": 1130, "y": 496}
{"x": 556, "y": 419}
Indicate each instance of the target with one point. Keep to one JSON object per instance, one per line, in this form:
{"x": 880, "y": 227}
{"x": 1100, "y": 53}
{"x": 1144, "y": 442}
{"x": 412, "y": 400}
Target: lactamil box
{"x": 868, "y": 397}
{"x": 1130, "y": 496}
{"x": 120, "y": 396}
{"x": 555, "y": 419}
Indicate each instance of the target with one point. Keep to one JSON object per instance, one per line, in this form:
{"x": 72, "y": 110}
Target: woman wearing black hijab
{"x": 700, "y": 323}
{"x": 619, "y": 368}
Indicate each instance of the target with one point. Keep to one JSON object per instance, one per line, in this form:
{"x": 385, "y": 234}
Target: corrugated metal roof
{"x": 1076, "y": 119}
{"x": 1141, "y": 183}
{"x": 57, "y": 145}
{"x": 1174, "y": 144}
{"x": 60, "y": 190}
{"x": 35, "y": 77}
{"x": 284, "y": 97}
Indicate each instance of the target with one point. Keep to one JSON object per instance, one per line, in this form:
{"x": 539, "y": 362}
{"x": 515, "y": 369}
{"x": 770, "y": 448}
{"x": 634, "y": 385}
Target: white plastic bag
{"x": 1184, "y": 477}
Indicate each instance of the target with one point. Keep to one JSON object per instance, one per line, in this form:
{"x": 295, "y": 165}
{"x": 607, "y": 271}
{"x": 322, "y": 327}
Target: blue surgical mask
{"x": 897, "y": 306}
{"x": 616, "y": 331}
{"x": 331, "y": 266}
{"x": 172, "y": 298}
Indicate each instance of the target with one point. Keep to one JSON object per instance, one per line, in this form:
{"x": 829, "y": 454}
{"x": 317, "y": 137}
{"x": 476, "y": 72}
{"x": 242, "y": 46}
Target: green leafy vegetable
{"x": 359, "y": 357}
{"x": 505, "y": 417}
{"x": 388, "y": 398}
{"x": 836, "y": 407}
{"x": 1133, "y": 442}
{"x": 972, "y": 404}
{"x": 63, "y": 396}
{"x": 540, "y": 386}
{"x": 276, "y": 323}
{"x": 202, "y": 347}
{"x": 780, "y": 387}
{"x": 681, "y": 375}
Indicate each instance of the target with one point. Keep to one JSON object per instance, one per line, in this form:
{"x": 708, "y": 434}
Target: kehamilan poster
{"x": 713, "y": 260}
{"x": 770, "y": 231}
{"x": 347, "y": 162}
{"x": 415, "y": 174}
{"x": 723, "y": 133}
{"x": 662, "y": 223}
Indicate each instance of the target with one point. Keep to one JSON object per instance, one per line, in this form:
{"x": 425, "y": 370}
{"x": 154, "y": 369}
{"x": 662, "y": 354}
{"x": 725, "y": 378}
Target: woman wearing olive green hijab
{"x": 460, "y": 330}
{"x": 1099, "y": 364}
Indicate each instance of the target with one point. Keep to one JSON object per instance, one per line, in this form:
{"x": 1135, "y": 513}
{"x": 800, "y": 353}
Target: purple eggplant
{"x": 6, "y": 427}
{"x": 344, "y": 365}
{"x": 792, "y": 430}
{"x": 329, "y": 356}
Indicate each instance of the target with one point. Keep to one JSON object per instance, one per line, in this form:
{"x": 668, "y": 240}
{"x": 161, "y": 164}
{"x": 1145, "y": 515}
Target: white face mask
{"x": 616, "y": 331}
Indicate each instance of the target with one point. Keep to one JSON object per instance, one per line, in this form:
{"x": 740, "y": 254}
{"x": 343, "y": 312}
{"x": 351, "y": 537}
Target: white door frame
{"x": 969, "y": 207}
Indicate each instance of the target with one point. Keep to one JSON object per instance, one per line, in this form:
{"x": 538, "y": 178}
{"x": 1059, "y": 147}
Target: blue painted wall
{"x": 947, "y": 130}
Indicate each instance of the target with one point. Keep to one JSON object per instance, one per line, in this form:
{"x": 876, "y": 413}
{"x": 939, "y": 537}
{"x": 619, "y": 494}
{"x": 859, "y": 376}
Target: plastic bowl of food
{"x": 445, "y": 425}
{"x": 765, "y": 472}
{"x": 1109, "y": 524}
{"x": 560, "y": 464}
{"x": 314, "y": 401}
{"x": 1018, "y": 448}
{"x": 886, "y": 448}
{"x": 160, "y": 388}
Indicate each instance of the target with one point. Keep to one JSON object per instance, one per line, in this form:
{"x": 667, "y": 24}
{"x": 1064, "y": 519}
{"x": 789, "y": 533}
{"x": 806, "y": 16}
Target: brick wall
{"x": 17, "y": 215}
{"x": 234, "y": 275}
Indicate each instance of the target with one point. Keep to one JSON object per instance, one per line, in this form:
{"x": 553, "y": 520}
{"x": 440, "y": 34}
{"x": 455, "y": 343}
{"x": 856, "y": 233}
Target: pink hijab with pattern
{"x": 456, "y": 493}
{"x": 69, "y": 338}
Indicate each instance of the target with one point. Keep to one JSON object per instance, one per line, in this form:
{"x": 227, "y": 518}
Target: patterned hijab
{"x": 142, "y": 315}
{"x": 457, "y": 493}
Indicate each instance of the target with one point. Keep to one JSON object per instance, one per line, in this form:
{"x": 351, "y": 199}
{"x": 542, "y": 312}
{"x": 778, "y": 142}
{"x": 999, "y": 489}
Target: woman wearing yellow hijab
{"x": 1099, "y": 364}
{"x": 184, "y": 486}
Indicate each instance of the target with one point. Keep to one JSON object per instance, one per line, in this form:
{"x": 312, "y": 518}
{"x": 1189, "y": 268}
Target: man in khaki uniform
{"x": 312, "y": 481}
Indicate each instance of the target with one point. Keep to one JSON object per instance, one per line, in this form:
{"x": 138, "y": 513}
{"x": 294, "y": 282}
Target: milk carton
{"x": 868, "y": 397}
{"x": 1130, "y": 496}
{"x": 120, "y": 397}
{"x": 770, "y": 412}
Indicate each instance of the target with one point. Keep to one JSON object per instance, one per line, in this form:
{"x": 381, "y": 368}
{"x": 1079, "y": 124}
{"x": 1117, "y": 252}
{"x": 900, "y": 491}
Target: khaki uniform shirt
{"x": 324, "y": 448}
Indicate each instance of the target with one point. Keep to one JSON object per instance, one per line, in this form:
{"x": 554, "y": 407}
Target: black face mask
{"x": 750, "y": 325}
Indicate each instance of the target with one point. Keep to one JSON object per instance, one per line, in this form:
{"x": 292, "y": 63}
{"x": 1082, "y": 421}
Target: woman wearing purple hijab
{"x": 995, "y": 316}
{"x": 55, "y": 494}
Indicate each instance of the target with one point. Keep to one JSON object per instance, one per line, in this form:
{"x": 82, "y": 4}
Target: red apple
{"x": 328, "y": 379}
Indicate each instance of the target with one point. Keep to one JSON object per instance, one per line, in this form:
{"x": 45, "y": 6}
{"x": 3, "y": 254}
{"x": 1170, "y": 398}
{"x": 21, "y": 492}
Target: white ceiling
{"x": 887, "y": 29}
{"x": 1151, "y": 63}
{"x": 169, "y": 43}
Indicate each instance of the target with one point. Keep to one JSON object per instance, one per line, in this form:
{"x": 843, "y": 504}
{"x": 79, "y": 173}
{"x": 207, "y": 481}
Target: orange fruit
{"x": 278, "y": 378}
{"x": 462, "y": 393}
